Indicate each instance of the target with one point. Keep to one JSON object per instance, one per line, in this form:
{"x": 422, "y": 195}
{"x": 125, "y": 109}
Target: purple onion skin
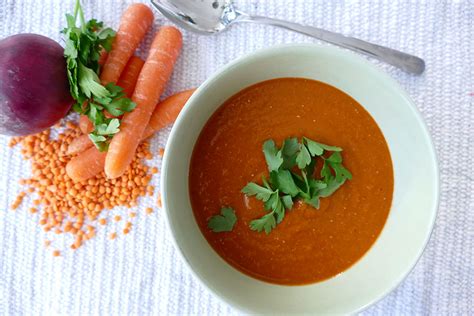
{"x": 34, "y": 88}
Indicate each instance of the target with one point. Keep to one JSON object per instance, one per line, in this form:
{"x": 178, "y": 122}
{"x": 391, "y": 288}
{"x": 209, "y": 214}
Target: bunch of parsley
{"x": 84, "y": 44}
{"x": 292, "y": 177}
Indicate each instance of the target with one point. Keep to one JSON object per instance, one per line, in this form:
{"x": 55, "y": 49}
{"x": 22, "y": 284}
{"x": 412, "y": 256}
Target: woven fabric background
{"x": 142, "y": 272}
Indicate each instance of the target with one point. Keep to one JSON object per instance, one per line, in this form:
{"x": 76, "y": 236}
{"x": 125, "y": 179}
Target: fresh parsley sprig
{"x": 292, "y": 177}
{"x": 84, "y": 44}
{"x": 224, "y": 222}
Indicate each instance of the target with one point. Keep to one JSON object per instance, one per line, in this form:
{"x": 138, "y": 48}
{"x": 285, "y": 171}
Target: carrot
{"x": 166, "y": 112}
{"x": 85, "y": 125}
{"x": 78, "y": 145}
{"x": 85, "y": 165}
{"x": 150, "y": 85}
{"x": 130, "y": 74}
{"x": 103, "y": 57}
{"x": 127, "y": 81}
{"x": 77, "y": 169}
{"x": 135, "y": 22}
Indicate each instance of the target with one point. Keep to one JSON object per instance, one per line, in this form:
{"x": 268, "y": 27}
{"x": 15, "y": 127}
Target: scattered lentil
{"x": 69, "y": 207}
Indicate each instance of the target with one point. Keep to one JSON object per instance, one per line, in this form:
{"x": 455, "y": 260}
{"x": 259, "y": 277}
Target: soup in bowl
{"x": 300, "y": 179}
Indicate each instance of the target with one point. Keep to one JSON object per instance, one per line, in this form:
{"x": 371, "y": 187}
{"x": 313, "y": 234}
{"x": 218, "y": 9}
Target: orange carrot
{"x": 77, "y": 170}
{"x": 85, "y": 165}
{"x": 85, "y": 125}
{"x": 130, "y": 74}
{"x": 150, "y": 85}
{"x": 79, "y": 144}
{"x": 135, "y": 22}
{"x": 166, "y": 112}
{"x": 103, "y": 57}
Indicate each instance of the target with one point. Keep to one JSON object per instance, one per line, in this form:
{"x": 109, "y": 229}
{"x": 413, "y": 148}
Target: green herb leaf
{"x": 332, "y": 187}
{"x": 335, "y": 158}
{"x": 224, "y": 222}
{"x": 99, "y": 141}
{"x": 290, "y": 147}
{"x": 89, "y": 82}
{"x": 265, "y": 183}
{"x": 272, "y": 202}
{"x": 314, "y": 148}
{"x": 322, "y": 146}
{"x": 83, "y": 45}
{"x": 285, "y": 183}
{"x": 303, "y": 158}
{"x": 261, "y": 193}
{"x": 326, "y": 171}
{"x": 313, "y": 201}
{"x": 272, "y": 155}
{"x": 316, "y": 184}
{"x": 279, "y": 211}
{"x": 265, "y": 223}
{"x": 287, "y": 201}
{"x": 289, "y": 150}
{"x": 109, "y": 129}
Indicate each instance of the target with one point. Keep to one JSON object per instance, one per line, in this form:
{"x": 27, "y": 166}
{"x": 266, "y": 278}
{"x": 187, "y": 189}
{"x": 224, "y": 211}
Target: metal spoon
{"x": 213, "y": 16}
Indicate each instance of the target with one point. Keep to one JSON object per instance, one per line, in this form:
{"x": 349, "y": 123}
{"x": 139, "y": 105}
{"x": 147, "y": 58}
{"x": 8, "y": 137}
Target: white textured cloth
{"x": 142, "y": 273}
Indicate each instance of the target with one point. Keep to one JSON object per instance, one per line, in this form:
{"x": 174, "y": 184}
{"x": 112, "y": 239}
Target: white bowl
{"x": 415, "y": 198}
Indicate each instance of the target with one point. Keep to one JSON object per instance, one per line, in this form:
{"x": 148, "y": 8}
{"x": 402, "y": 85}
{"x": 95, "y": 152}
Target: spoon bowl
{"x": 204, "y": 17}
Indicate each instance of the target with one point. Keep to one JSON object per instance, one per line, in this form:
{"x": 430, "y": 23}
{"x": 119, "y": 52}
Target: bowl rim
{"x": 353, "y": 57}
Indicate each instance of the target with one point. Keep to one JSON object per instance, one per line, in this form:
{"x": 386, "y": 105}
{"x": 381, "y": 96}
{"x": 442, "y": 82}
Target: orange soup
{"x": 310, "y": 244}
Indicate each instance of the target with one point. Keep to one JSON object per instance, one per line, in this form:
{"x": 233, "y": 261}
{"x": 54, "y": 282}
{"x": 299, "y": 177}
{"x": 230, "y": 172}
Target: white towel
{"x": 142, "y": 273}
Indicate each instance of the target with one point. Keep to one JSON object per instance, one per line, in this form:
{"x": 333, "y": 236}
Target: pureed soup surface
{"x": 310, "y": 244}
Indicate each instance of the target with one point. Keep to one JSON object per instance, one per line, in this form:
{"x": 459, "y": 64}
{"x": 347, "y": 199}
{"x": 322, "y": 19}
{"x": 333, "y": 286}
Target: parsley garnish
{"x": 224, "y": 222}
{"x": 292, "y": 177}
{"x": 82, "y": 52}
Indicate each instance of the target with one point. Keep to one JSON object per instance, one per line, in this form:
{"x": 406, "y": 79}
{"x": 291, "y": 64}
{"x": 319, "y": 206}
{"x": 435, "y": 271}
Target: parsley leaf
{"x": 224, "y": 222}
{"x": 272, "y": 202}
{"x": 89, "y": 82}
{"x": 272, "y": 155}
{"x": 84, "y": 44}
{"x": 314, "y": 148}
{"x": 332, "y": 186}
{"x": 109, "y": 129}
{"x": 287, "y": 184}
{"x": 261, "y": 193}
{"x": 287, "y": 201}
{"x": 328, "y": 148}
{"x": 289, "y": 150}
{"x": 326, "y": 171}
{"x": 335, "y": 158}
{"x": 266, "y": 223}
{"x": 303, "y": 158}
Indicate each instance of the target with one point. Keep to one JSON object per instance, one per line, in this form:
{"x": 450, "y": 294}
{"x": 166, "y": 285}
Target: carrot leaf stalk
{"x": 84, "y": 45}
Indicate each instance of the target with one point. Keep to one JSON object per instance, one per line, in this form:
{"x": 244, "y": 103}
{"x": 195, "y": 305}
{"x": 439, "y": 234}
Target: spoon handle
{"x": 406, "y": 62}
